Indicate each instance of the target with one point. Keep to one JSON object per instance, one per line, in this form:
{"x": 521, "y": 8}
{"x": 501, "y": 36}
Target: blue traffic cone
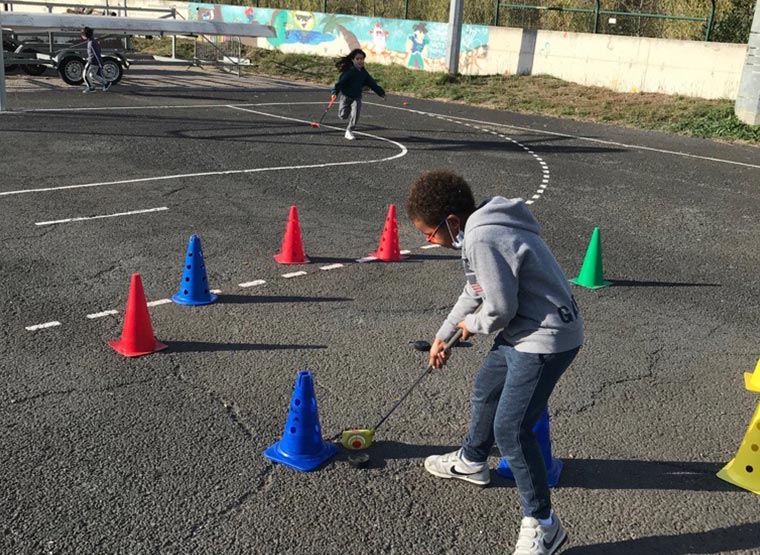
{"x": 553, "y": 465}
{"x": 301, "y": 446}
{"x": 193, "y": 289}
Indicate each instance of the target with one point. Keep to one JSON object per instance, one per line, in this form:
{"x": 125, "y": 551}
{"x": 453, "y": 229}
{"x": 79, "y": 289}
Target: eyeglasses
{"x": 430, "y": 236}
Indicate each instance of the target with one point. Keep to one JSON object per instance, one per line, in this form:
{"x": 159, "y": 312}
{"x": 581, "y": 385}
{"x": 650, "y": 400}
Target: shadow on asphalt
{"x": 203, "y": 346}
{"x": 260, "y": 299}
{"x": 636, "y": 283}
{"x": 588, "y": 473}
{"x": 654, "y": 475}
{"x": 721, "y": 540}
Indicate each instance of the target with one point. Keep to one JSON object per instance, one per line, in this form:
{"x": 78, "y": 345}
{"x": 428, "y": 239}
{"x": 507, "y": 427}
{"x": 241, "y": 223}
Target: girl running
{"x": 353, "y": 78}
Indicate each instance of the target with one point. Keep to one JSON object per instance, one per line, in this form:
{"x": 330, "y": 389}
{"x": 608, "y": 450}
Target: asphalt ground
{"x": 103, "y": 454}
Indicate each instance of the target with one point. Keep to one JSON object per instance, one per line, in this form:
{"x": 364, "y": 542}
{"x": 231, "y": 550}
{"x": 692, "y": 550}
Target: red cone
{"x": 137, "y": 334}
{"x": 389, "y": 250}
{"x": 292, "y": 246}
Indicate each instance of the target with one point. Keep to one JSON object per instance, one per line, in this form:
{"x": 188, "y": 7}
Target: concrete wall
{"x": 623, "y": 64}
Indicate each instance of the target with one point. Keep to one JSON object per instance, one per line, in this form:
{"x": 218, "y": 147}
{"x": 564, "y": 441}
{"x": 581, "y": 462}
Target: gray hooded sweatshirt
{"x": 514, "y": 275}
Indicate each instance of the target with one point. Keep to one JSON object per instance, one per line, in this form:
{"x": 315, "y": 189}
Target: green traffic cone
{"x": 592, "y": 271}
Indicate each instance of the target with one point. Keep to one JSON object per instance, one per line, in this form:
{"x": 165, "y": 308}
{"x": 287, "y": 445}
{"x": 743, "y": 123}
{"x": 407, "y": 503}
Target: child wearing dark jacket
{"x": 353, "y": 78}
{"x": 524, "y": 298}
{"x": 93, "y": 69}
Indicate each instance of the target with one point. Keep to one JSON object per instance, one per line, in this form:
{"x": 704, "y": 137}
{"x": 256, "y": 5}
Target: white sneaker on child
{"x": 88, "y": 90}
{"x": 535, "y": 539}
{"x": 453, "y": 465}
{"x": 350, "y": 136}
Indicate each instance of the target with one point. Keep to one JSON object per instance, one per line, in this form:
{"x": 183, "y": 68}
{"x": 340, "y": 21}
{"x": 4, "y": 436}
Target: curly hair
{"x": 438, "y": 193}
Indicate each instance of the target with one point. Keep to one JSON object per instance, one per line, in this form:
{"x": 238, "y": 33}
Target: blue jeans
{"x": 510, "y": 392}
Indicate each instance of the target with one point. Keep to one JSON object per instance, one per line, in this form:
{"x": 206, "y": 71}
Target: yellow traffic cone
{"x": 744, "y": 469}
{"x": 752, "y": 380}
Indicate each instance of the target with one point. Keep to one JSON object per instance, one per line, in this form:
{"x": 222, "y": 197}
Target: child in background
{"x": 353, "y": 78}
{"x": 93, "y": 69}
{"x": 526, "y": 299}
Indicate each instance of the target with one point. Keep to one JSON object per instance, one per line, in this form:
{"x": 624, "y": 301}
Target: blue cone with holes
{"x": 553, "y": 465}
{"x": 301, "y": 446}
{"x": 193, "y": 289}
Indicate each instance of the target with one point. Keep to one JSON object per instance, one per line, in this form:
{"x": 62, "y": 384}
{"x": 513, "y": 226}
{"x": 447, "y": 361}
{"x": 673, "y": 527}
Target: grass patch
{"x": 538, "y": 94}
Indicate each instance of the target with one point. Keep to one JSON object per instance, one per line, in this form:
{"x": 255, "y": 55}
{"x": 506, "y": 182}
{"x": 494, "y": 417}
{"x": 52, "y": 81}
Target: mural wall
{"x": 415, "y": 44}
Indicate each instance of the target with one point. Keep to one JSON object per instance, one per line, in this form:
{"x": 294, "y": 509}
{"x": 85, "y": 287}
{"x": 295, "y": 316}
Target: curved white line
{"x": 582, "y": 138}
{"x": 403, "y": 152}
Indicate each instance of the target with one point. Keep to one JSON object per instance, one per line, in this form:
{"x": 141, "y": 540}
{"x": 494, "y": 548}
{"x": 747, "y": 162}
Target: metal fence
{"x": 642, "y": 18}
{"x": 729, "y": 21}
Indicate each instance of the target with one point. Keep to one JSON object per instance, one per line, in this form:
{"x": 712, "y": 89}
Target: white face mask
{"x": 459, "y": 241}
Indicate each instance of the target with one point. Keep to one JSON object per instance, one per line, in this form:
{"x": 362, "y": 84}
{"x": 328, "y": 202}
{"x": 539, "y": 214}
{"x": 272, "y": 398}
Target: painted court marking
{"x": 402, "y": 152}
{"x": 68, "y": 220}
{"x": 101, "y": 314}
{"x": 294, "y": 274}
{"x": 288, "y": 275}
{"x": 43, "y": 326}
{"x": 578, "y": 137}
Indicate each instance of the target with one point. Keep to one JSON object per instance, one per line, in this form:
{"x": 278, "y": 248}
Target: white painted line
{"x": 101, "y": 314}
{"x": 545, "y": 180}
{"x": 582, "y": 138}
{"x": 43, "y": 326}
{"x": 252, "y": 283}
{"x": 529, "y": 202}
{"x": 68, "y": 220}
{"x": 543, "y": 186}
{"x": 430, "y": 246}
{"x": 159, "y": 302}
{"x": 534, "y": 197}
{"x": 215, "y": 291}
{"x": 331, "y": 267}
{"x": 366, "y": 259}
{"x": 405, "y": 252}
{"x": 294, "y": 274}
{"x": 403, "y": 152}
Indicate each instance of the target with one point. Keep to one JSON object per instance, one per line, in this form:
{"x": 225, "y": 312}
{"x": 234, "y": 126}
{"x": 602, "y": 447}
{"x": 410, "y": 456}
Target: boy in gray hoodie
{"x": 525, "y": 298}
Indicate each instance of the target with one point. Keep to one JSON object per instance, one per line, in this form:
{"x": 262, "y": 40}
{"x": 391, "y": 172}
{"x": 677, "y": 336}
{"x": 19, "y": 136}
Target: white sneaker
{"x": 451, "y": 465}
{"x": 107, "y": 85}
{"x": 88, "y": 90}
{"x": 350, "y": 136}
{"x": 535, "y": 539}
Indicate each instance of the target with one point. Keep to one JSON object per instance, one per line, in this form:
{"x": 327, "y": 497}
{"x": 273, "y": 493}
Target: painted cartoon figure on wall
{"x": 249, "y": 15}
{"x": 379, "y": 38}
{"x": 416, "y": 45}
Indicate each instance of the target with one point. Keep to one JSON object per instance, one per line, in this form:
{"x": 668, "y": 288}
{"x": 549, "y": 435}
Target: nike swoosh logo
{"x": 454, "y": 471}
{"x": 548, "y": 544}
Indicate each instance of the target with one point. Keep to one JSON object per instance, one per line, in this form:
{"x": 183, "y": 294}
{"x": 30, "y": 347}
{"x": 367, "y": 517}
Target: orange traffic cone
{"x": 137, "y": 334}
{"x": 292, "y": 246}
{"x": 389, "y": 250}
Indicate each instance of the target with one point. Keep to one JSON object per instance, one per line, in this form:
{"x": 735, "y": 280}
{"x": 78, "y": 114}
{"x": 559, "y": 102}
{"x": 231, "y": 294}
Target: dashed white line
{"x": 81, "y": 219}
{"x": 294, "y": 274}
{"x": 405, "y": 252}
{"x": 252, "y": 283}
{"x": 101, "y": 314}
{"x": 430, "y": 246}
{"x": 159, "y": 302}
{"x": 43, "y": 326}
{"x": 331, "y": 267}
{"x": 366, "y": 259}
